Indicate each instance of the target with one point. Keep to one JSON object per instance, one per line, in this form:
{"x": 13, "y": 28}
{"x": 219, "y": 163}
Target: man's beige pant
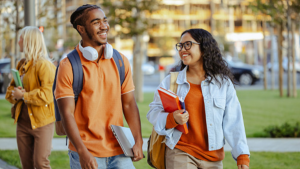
{"x": 34, "y": 145}
{"x": 177, "y": 159}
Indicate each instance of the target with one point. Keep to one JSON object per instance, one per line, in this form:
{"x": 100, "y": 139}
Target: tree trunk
{"x": 63, "y": 22}
{"x": 288, "y": 51}
{"x": 294, "y": 93}
{"x": 280, "y": 39}
{"x": 15, "y": 55}
{"x": 265, "y": 56}
{"x": 138, "y": 55}
{"x": 212, "y": 21}
{"x": 1, "y": 34}
{"x": 272, "y": 59}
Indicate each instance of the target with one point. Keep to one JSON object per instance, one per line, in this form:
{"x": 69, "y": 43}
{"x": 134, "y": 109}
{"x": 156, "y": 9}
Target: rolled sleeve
{"x": 171, "y": 123}
{"x": 243, "y": 160}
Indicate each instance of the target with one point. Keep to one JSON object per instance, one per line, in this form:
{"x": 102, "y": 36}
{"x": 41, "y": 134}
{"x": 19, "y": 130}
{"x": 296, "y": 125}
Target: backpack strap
{"x": 120, "y": 64}
{"x": 77, "y": 73}
{"x": 173, "y": 84}
{"x": 57, "y": 115}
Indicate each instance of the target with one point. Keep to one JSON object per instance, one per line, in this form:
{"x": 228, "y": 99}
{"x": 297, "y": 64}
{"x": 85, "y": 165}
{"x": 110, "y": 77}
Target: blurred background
{"x": 247, "y": 31}
{"x": 259, "y": 39}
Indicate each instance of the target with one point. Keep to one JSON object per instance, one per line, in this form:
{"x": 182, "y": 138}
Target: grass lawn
{"x": 259, "y": 160}
{"x": 260, "y": 109}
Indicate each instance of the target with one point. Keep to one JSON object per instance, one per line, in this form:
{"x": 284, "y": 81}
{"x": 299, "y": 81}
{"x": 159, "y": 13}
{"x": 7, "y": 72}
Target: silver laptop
{"x": 125, "y": 139}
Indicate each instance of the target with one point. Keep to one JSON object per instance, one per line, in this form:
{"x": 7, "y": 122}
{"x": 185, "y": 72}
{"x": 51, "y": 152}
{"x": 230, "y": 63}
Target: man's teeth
{"x": 103, "y": 34}
{"x": 185, "y": 55}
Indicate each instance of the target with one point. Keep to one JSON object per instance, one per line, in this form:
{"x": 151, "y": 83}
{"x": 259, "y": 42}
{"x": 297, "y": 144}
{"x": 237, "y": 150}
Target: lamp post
{"x": 29, "y": 12}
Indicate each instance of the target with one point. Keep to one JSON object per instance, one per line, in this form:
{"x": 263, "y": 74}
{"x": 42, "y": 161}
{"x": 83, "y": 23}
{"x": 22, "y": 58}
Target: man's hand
{"x": 87, "y": 160}
{"x": 243, "y": 167}
{"x": 181, "y": 118}
{"x": 132, "y": 117}
{"x": 137, "y": 151}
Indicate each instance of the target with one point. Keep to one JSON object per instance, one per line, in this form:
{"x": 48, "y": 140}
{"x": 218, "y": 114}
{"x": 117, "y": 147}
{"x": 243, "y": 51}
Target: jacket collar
{"x": 26, "y": 65}
{"x": 182, "y": 77}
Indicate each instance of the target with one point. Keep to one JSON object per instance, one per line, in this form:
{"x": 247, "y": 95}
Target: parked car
{"x": 148, "y": 69}
{"x": 4, "y": 74}
{"x": 284, "y": 65}
{"x": 245, "y": 74}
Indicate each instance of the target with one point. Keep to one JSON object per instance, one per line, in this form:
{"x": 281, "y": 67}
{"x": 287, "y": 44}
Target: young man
{"x": 101, "y": 101}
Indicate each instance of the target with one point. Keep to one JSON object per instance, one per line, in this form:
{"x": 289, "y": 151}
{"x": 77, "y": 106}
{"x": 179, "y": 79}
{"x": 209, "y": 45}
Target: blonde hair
{"x": 34, "y": 46}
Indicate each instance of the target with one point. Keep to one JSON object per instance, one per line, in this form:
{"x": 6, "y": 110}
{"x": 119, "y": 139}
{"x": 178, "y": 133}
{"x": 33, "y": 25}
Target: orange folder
{"x": 171, "y": 103}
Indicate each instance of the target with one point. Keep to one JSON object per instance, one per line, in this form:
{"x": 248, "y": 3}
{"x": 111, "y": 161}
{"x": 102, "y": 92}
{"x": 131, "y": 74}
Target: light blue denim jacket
{"x": 222, "y": 109}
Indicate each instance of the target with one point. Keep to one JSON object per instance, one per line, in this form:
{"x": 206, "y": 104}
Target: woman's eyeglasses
{"x": 187, "y": 45}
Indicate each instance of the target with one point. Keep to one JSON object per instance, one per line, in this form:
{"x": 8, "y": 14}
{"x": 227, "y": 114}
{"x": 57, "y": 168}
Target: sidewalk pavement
{"x": 255, "y": 144}
{"x": 4, "y": 165}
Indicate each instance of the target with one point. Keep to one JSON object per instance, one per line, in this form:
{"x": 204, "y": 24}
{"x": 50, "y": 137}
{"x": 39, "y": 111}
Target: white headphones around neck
{"x": 91, "y": 53}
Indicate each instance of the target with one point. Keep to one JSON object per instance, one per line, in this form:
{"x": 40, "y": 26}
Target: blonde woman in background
{"x": 33, "y": 109}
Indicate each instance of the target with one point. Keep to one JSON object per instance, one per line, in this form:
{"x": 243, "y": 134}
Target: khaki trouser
{"x": 177, "y": 159}
{"x": 34, "y": 145}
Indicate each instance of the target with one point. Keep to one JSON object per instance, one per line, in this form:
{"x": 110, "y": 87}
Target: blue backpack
{"x": 75, "y": 61}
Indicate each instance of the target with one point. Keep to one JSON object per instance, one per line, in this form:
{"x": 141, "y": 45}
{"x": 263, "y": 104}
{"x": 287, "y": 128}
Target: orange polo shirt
{"x": 195, "y": 142}
{"x": 99, "y": 103}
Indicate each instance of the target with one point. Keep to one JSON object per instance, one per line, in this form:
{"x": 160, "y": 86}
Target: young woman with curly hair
{"x": 213, "y": 111}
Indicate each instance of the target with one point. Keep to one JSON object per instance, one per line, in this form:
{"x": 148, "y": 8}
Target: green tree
{"x": 130, "y": 16}
{"x": 295, "y": 15}
{"x": 279, "y": 11}
{"x": 12, "y": 20}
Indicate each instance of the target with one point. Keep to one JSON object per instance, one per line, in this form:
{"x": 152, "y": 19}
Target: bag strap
{"x": 119, "y": 62}
{"x": 173, "y": 84}
{"x": 57, "y": 115}
{"x": 75, "y": 61}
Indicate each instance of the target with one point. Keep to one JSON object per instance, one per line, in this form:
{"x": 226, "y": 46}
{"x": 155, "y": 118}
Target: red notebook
{"x": 172, "y": 103}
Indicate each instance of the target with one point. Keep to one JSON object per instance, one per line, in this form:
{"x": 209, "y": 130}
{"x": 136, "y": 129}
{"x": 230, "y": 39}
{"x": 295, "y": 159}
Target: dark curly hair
{"x": 213, "y": 63}
{"x": 78, "y": 17}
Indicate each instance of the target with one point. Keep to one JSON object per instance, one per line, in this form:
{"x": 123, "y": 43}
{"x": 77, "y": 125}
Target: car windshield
{"x": 5, "y": 68}
{"x": 232, "y": 62}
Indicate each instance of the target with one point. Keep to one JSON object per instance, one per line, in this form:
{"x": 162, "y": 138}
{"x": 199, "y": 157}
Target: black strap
{"x": 120, "y": 64}
{"x": 77, "y": 73}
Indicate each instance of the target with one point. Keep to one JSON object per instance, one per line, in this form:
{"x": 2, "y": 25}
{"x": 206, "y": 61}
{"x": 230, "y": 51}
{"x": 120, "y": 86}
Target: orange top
{"x": 195, "y": 142}
{"x": 99, "y": 103}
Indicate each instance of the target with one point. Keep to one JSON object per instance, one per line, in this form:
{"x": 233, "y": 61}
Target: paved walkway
{"x": 4, "y": 165}
{"x": 255, "y": 144}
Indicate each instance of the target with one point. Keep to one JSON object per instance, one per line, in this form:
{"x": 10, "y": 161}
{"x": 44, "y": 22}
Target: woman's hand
{"x": 18, "y": 93}
{"x": 181, "y": 118}
{"x": 243, "y": 167}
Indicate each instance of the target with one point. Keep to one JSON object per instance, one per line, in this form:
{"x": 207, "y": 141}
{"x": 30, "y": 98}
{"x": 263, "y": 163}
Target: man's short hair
{"x": 78, "y": 17}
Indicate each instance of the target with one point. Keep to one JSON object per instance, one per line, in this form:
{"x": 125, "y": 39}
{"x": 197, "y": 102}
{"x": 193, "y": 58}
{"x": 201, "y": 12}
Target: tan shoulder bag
{"x": 156, "y": 143}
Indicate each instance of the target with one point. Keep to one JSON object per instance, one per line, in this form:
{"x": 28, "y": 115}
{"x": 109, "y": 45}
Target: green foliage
{"x": 7, "y": 127}
{"x": 277, "y": 9}
{"x": 274, "y": 8}
{"x": 143, "y": 109}
{"x": 260, "y": 110}
{"x": 264, "y": 108}
{"x": 129, "y": 14}
{"x": 285, "y": 130}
